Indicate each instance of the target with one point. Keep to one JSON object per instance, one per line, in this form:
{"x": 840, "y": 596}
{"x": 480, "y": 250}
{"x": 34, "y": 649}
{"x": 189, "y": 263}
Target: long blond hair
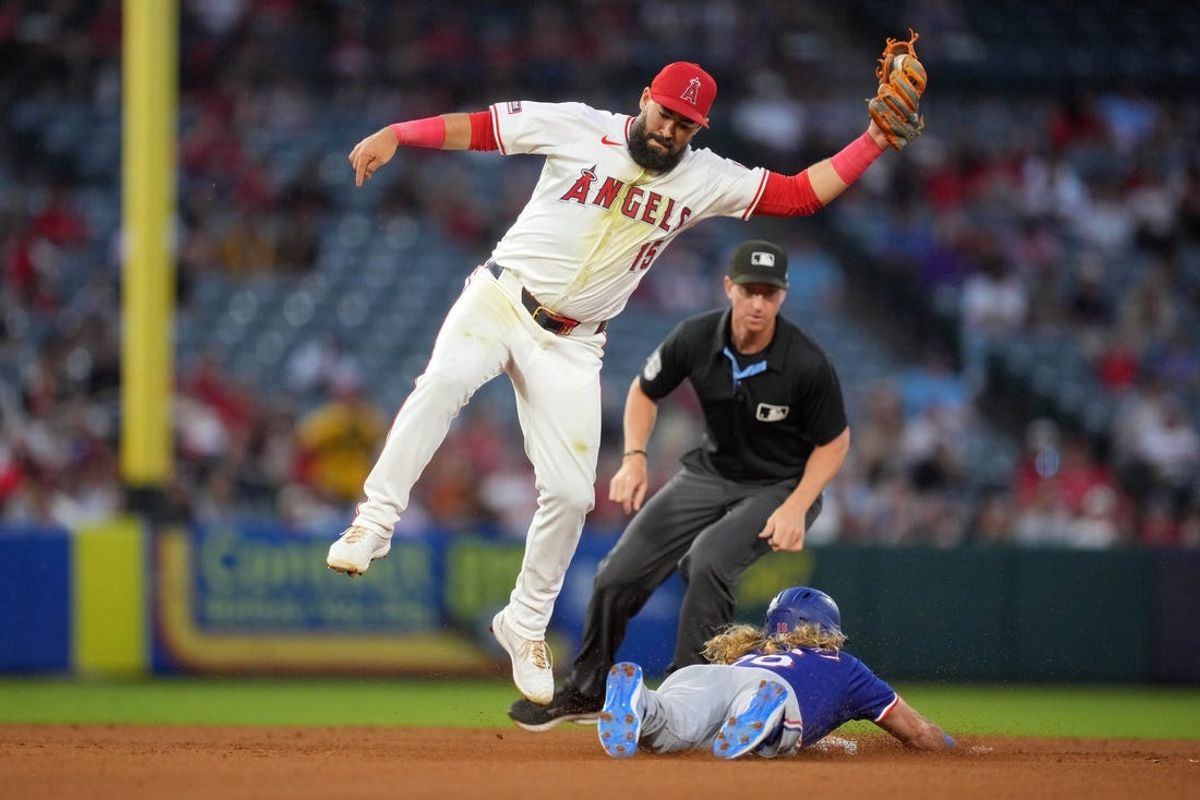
{"x": 738, "y": 640}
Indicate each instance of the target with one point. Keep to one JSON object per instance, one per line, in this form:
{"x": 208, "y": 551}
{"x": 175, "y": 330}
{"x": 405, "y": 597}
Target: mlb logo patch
{"x": 769, "y": 413}
{"x": 514, "y": 107}
{"x": 760, "y": 258}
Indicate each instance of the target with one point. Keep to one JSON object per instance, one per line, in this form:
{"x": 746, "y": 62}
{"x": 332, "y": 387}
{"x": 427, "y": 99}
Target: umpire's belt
{"x": 555, "y": 323}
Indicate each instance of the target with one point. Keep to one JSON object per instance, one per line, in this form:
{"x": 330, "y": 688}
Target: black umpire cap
{"x": 758, "y": 261}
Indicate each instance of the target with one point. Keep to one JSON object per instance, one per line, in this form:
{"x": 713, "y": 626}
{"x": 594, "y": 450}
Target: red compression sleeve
{"x": 793, "y": 195}
{"x": 482, "y": 135}
{"x": 427, "y": 132}
{"x": 787, "y": 196}
{"x": 855, "y": 157}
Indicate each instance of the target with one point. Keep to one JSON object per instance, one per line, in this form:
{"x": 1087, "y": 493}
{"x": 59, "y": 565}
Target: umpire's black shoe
{"x": 567, "y": 704}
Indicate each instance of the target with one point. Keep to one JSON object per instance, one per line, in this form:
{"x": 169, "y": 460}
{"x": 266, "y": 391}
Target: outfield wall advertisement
{"x": 257, "y": 599}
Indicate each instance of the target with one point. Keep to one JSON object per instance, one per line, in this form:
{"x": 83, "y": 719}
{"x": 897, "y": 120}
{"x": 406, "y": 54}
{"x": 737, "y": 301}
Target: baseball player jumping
{"x": 614, "y": 191}
{"x": 771, "y": 691}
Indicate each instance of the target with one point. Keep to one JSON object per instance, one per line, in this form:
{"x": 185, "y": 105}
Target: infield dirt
{"x": 113, "y": 761}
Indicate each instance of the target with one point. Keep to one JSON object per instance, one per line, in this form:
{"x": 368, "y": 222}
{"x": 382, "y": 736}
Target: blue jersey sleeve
{"x": 869, "y": 697}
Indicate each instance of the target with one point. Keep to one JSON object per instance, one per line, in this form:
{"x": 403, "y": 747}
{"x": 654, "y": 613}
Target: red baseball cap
{"x": 686, "y": 89}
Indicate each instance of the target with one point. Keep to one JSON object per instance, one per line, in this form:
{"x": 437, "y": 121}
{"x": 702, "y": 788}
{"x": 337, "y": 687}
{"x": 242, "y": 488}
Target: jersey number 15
{"x": 645, "y": 256}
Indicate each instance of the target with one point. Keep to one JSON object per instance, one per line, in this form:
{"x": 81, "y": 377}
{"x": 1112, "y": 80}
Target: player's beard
{"x": 648, "y": 157}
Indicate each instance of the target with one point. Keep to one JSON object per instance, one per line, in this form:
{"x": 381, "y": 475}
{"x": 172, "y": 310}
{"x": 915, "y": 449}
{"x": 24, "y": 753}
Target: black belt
{"x": 555, "y": 323}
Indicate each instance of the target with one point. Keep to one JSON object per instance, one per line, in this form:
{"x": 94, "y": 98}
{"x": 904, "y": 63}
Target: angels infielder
{"x": 614, "y": 192}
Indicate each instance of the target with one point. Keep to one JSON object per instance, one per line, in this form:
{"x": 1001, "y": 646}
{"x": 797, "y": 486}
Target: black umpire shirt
{"x": 764, "y": 413}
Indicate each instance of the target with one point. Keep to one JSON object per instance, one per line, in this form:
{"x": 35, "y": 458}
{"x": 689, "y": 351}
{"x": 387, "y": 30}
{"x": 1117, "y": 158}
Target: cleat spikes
{"x": 620, "y": 722}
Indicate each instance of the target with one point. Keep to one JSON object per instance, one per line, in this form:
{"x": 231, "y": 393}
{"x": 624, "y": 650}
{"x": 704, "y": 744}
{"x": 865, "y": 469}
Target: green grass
{"x": 258, "y": 701}
{"x": 1088, "y": 711}
{"x": 1080, "y": 710}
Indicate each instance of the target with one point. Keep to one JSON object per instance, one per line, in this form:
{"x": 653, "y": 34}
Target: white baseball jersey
{"x": 597, "y": 220}
{"x": 594, "y": 225}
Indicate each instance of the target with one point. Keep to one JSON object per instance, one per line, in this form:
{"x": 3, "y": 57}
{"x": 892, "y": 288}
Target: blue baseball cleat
{"x": 620, "y": 722}
{"x": 741, "y": 734}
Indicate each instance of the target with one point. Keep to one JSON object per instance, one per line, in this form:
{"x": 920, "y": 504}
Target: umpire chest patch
{"x": 769, "y": 413}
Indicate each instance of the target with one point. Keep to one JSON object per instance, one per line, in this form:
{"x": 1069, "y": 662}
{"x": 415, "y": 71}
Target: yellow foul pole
{"x": 149, "y": 66}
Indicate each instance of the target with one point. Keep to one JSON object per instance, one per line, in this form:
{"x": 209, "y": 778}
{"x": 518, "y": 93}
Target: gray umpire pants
{"x": 705, "y": 526}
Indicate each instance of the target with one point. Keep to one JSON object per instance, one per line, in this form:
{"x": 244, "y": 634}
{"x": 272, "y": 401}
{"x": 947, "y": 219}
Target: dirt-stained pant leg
{"x": 689, "y": 708}
{"x": 557, "y": 383}
{"x": 472, "y": 347}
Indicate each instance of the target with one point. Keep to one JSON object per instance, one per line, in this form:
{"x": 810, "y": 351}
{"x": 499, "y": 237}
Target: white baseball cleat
{"x": 532, "y": 666}
{"x": 354, "y": 551}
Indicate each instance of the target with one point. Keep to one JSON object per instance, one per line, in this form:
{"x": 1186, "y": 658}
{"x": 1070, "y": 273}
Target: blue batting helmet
{"x": 799, "y": 604}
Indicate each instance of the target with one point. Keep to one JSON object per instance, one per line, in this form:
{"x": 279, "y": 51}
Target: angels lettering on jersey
{"x": 637, "y": 203}
{"x": 597, "y": 220}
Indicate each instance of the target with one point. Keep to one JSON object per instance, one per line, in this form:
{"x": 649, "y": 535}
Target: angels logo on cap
{"x": 691, "y": 91}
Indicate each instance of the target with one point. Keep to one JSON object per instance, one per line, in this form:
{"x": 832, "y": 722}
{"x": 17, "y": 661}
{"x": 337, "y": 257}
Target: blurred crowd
{"x": 1071, "y": 232}
{"x": 1073, "y": 216}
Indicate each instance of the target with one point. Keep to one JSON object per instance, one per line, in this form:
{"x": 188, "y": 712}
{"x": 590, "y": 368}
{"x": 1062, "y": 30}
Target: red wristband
{"x": 427, "y": 132}
{"x": 855, "y": 157}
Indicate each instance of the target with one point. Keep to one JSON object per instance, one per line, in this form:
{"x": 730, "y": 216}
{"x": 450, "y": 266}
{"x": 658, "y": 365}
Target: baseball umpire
{"x": 614, "y": 191}
{"x": 775, "y": 435}
{"x": 770, "y": 691}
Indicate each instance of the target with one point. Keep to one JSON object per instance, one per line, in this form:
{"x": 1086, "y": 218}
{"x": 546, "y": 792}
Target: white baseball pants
{"x": 557, "y": 383}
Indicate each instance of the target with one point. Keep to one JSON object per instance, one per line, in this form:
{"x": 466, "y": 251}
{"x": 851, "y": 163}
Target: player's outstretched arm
{"x": 903, "y": 722}
{"x": 444, "y": 132}
{"x": 895, "y": 121}
{"x": 809, "y": 191}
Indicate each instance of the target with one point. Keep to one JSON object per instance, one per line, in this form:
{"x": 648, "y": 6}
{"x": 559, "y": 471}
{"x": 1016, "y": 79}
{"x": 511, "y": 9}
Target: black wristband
{"x": 628, "y": 453}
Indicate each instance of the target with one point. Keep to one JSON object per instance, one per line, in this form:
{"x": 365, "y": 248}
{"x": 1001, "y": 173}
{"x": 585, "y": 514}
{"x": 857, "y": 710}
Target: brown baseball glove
{"x": 895, "y": 107}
